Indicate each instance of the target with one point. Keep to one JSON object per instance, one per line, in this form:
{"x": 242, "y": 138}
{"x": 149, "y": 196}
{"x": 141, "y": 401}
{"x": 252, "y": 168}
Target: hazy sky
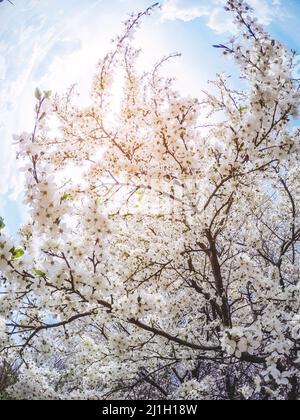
{"x": 55, "y": 43}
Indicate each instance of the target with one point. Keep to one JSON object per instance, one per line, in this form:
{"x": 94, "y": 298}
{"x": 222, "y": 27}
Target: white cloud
{"x": 219, "y": 20}
{"x": 184, "y": 10}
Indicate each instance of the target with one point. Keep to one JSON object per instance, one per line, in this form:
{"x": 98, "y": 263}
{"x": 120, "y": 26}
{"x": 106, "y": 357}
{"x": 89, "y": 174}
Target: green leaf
{"x": 140, "y": 196}
{"x": 2, "y": 224}
{"x": 186, "y": 230}
{"x": 38, "y": 93}
{"x": 66, "y": 197}
{"x": 39, "y": 273}
{"x": 17, "y": 253}
{"x": 48, "y": 93}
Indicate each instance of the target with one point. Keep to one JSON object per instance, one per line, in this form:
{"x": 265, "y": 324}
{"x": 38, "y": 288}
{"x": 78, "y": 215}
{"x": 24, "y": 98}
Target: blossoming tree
{"x": 161, "y": 258}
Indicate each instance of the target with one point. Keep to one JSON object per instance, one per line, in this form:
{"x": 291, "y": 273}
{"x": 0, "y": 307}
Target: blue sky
{"x": 54, "y": 43}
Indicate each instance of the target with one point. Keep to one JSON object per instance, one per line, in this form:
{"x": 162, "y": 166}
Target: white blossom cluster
{"x": 239, "y": 341}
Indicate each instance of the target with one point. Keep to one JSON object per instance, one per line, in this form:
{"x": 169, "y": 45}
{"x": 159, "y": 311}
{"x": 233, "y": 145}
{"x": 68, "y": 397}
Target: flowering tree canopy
{"x": 161, "y": 256}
